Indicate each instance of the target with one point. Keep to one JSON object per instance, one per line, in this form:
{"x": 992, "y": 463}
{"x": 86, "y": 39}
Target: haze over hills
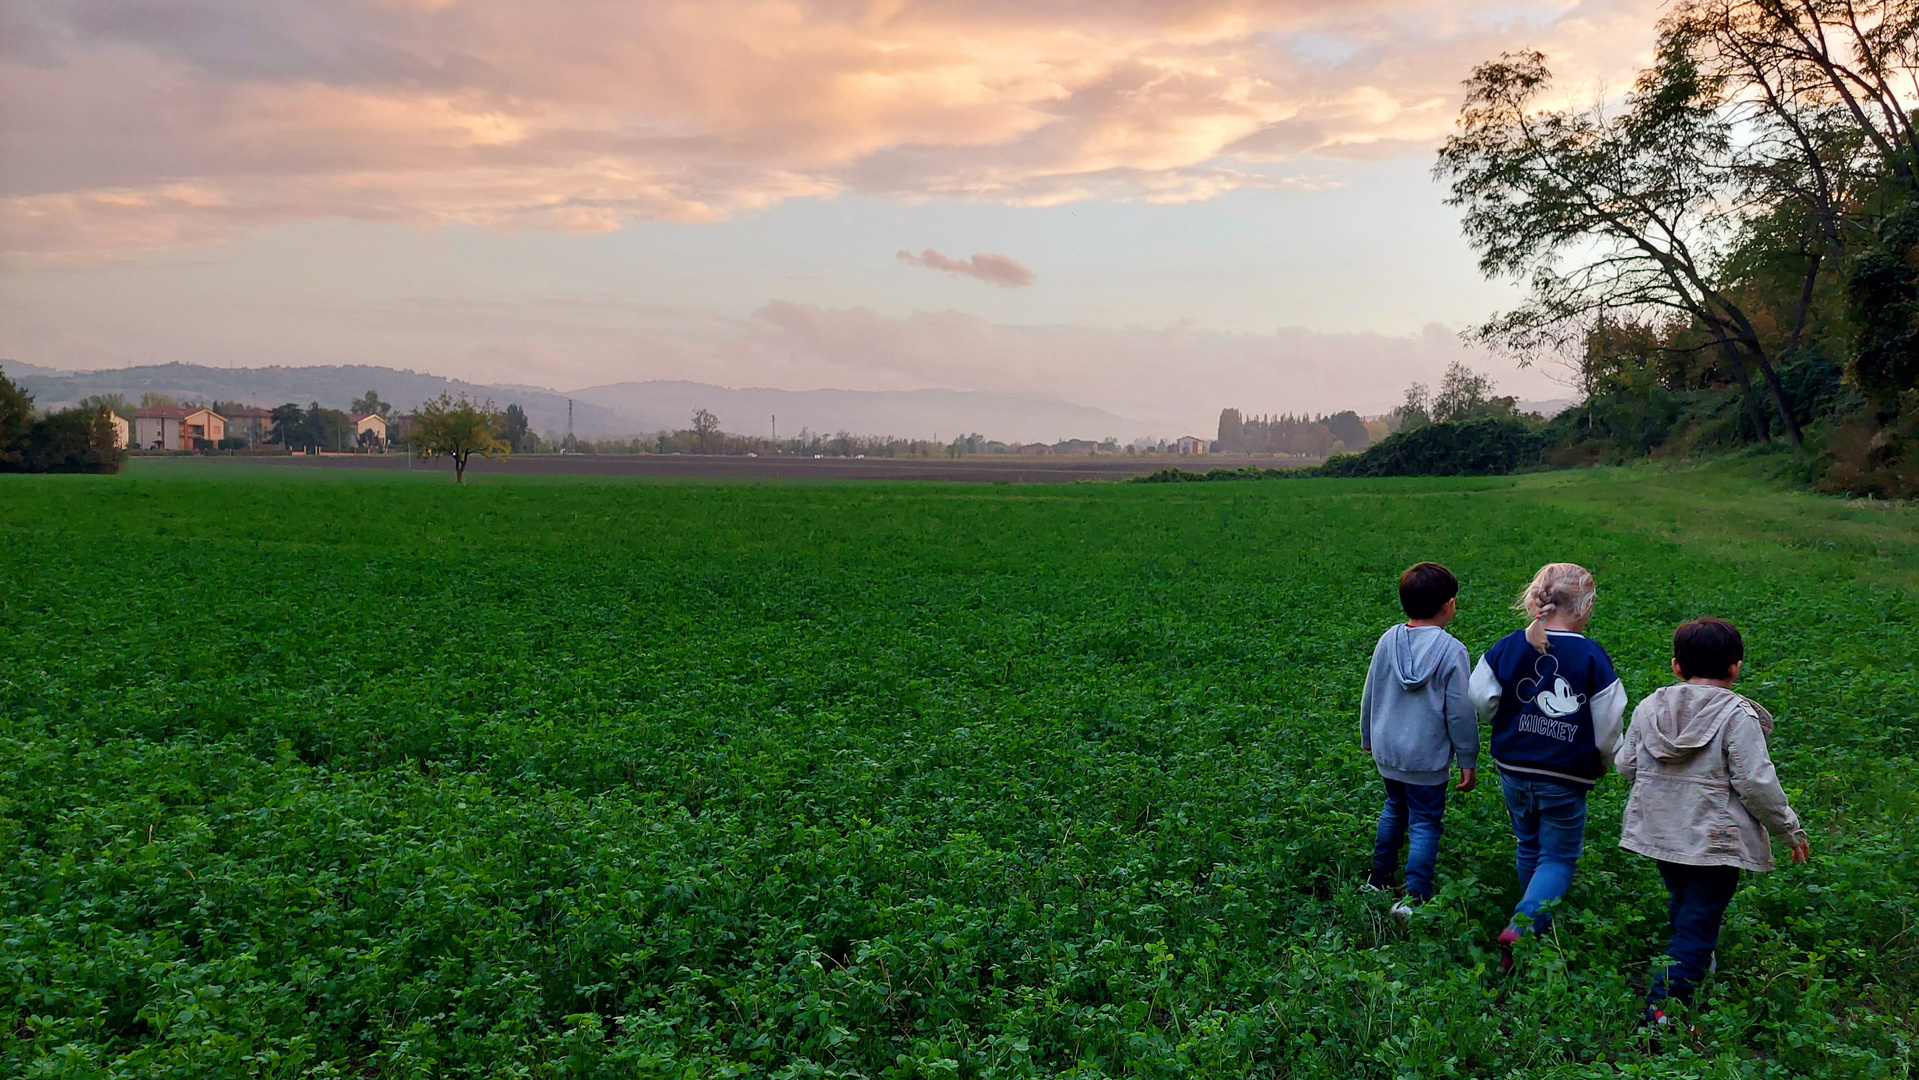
{"x": 619, "y": 410}
{"x": 907, "y": 413}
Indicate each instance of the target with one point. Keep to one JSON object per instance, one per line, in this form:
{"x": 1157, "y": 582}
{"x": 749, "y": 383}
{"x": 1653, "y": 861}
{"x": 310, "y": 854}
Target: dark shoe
{"x": 1382, "y": 879}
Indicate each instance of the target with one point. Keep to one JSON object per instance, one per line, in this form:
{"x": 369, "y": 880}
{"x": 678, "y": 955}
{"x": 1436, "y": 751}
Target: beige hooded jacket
{"x": 1704, "y": 792}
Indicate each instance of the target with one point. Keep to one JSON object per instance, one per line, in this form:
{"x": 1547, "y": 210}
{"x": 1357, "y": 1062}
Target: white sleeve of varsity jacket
{"x": 1609, "y": 710}
{"x": 1484, "y": 691}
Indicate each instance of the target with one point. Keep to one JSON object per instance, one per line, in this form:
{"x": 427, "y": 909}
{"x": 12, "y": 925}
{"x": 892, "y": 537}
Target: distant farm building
{"x": 171, "y": 427}
{"x": 121, "y": 431}
{"x": 251, "y": 424}
{"x": 1035, "y": 448}
{"x": 1075, "y": 446}
{"x": 369, "y": 429}
{"x": 1189, "y": 445}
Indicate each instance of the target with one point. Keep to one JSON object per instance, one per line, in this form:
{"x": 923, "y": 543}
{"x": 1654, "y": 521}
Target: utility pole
{"x": 569, "y": 424}
{"x": 776, "y": 432}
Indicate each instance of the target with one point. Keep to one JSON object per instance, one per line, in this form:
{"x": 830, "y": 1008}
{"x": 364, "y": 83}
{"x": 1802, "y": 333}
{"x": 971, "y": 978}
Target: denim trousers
{"x": 1549, "y": 830}
{"x": 1418, "y": 811}
{"x": 1696, "y": 903}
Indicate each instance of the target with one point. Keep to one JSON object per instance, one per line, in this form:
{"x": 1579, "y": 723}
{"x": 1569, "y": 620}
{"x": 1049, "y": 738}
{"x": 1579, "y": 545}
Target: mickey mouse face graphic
{"x": 1549, "y": 692}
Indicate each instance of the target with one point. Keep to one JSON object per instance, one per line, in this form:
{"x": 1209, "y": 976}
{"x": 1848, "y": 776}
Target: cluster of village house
{"x": 174, "y": 427}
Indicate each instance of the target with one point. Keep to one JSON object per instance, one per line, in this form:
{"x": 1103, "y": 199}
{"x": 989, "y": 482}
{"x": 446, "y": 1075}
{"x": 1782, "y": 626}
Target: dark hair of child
{"x": 1424, "y": 588}
{"x": 1707, "y": 648}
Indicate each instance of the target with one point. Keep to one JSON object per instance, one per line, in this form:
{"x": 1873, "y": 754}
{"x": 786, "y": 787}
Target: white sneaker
{"x": 1403, "y": 911}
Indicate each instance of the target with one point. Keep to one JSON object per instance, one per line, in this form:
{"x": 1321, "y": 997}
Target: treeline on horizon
{"x": 299, "y": 427}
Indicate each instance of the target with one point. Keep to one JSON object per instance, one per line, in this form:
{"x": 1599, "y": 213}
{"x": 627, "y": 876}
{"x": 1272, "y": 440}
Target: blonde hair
{"x": 1558, "y": 587}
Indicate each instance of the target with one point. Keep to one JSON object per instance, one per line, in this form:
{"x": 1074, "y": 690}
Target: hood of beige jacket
{"x": 1686, "y": 718}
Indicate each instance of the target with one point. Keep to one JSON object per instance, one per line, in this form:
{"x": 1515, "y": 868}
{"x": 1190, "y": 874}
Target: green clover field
{"x": 351, "y": 774}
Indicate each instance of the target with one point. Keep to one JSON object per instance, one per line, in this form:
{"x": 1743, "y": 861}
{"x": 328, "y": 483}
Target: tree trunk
{"x": 1750, "y": 339}
{"x": 1778, "y": 389}
{"x": 459, "y": 467}
{"x": 1738, "y": 366}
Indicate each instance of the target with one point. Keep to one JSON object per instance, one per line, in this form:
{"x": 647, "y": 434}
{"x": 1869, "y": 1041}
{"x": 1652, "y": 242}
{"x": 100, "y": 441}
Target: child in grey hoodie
{"x": 1704, "y": 797}
{"x": 1416, "y": 721}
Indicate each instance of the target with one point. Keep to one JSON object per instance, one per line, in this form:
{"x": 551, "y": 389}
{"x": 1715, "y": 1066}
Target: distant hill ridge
{"x": 617, "y": 410}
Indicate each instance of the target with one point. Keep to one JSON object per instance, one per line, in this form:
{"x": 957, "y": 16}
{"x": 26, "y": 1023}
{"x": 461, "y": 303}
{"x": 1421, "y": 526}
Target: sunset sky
{"x": 1156, "y": 208}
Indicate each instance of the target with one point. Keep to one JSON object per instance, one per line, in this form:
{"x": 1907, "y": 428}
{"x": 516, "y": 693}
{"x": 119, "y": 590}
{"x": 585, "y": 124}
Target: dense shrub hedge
{"x": 71, "y": 440}
{"x": 1485, "y": 447}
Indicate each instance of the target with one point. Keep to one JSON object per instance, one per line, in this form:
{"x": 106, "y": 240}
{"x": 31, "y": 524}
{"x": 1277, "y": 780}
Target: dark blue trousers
{"x": 1697, "y": 899}
{"x": 1412, "y": 810}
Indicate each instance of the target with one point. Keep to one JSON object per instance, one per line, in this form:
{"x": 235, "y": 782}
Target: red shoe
{"x": 1661, "y": 1022}
{"x": 1507, "y": 939}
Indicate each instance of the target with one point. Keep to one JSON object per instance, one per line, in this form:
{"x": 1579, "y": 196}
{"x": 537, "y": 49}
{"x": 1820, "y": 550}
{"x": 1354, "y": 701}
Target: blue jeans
{"x": 1696, "y": 903}
{"x": 1549, "y": 825}
{"x": 1417, "y": 810}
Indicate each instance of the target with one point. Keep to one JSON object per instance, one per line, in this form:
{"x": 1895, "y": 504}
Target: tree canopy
{"x": 458, "y": 428}
{"x": 78, "y": 439}
{"x": 705, "y": 426}
{"x": 1742, "y": 218}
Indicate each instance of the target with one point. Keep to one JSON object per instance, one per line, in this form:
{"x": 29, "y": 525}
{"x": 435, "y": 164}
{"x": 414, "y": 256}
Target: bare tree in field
{"x": 705, "y": 426}
{"x": 458, "y": 428}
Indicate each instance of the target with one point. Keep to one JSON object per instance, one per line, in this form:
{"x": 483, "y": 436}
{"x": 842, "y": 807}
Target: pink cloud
{"x": 581, "y": 116}
{"x": 1001, "y": 270}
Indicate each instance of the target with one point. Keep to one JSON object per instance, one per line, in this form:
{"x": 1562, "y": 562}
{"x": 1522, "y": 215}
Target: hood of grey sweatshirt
{"x": 1414, "y": 715}
{"x": 1416, "y": 654}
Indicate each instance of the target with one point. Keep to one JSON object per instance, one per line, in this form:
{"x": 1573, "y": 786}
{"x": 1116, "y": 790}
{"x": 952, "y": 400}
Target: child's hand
{"x": 1801, "y": 850}
{"x": 1467, "y": 778}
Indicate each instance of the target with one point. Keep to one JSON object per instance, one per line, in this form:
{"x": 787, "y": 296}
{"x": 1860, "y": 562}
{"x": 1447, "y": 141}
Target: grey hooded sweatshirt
{"x": 1414, "y": 715}
{"x": 1704, "y": 792}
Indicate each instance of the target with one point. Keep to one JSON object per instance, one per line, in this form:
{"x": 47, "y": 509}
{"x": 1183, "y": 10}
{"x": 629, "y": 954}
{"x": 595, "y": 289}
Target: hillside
{"x": 618, "y": 410}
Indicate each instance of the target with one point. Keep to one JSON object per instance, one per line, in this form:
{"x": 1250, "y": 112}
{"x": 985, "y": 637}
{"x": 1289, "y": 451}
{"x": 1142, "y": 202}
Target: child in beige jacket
{"x": 1704, "y": 797}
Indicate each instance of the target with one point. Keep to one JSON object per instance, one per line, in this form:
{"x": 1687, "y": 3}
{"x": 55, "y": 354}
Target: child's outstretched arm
{"x": 1626, "y": 761}
{"x": 1608, "y": 709}
{"x": 1484, "y": 691}
{"x": 1462, "y": 722}
{"x": 1756, "y": 783}
{"x": 1366, "y": 705}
